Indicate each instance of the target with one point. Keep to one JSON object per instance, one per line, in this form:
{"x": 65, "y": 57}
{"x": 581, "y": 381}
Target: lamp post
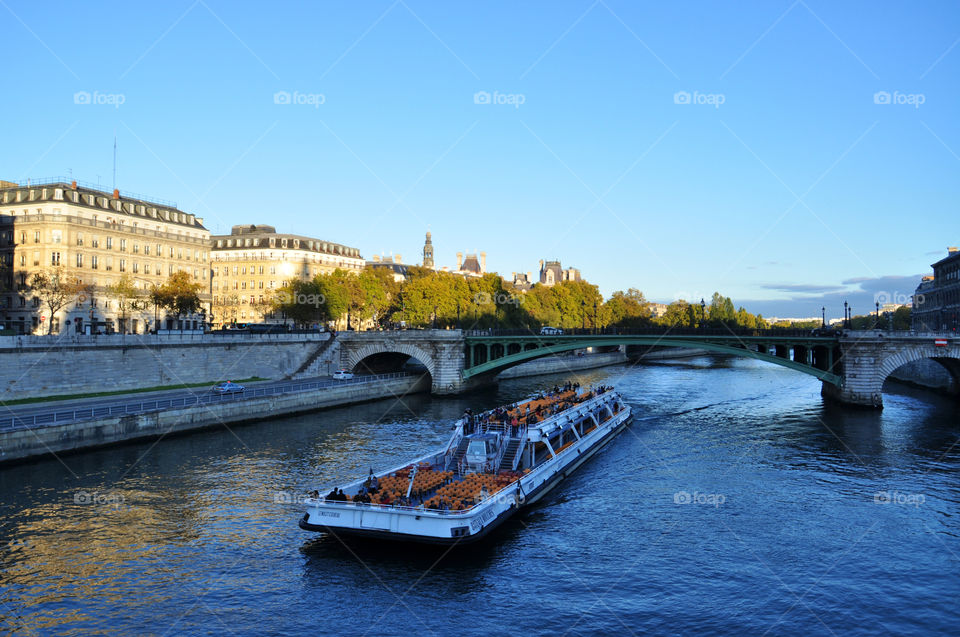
{"x": 458, "y": 314}
{"x": 823, "y": 320}
{"x": 846, "y": 322}
{"x": 703, "y": 312}
{"x": 876, "y": 321}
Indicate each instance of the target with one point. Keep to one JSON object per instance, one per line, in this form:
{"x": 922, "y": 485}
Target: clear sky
{"x": 788, "y": 154}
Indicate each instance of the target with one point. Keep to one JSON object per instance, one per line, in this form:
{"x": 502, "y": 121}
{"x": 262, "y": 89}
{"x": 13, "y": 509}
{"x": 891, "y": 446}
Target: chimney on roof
{"x": 376, "y": 258}
{"x": 397, "y": 258}
{"x": 116, "y": 193}
{"x": 73, "y": 184}
{"x": 483, "y": 262}
{"x": 459, "y": 260}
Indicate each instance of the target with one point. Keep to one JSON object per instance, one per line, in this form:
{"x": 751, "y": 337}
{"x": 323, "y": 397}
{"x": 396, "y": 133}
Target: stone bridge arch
{"x": 355, "y": 356}
{"x": 868, "y": 359}
{"x": 947, "y": 357}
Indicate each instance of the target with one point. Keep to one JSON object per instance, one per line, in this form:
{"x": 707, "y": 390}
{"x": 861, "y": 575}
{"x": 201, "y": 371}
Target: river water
{"x": 735, "y": 503}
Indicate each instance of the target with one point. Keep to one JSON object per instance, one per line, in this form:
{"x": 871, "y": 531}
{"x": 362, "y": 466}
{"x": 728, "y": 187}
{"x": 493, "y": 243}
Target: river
{"x": 737, "y": 502}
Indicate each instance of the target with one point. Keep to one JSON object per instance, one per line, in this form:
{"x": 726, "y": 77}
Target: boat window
{"x": 477, "y": 448}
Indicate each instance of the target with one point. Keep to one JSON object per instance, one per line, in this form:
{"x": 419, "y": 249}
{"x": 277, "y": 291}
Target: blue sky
{"x": 679, "y": 147}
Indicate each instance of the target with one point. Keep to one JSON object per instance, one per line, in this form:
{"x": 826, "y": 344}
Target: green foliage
{"x": 179, "y": 294}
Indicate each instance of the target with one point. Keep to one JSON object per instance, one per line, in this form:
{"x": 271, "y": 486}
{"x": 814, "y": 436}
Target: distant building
{"x": 551, "y": 273}
{"x": 522, "y": 281}
{"x": 393, "y": 263}
{"x": 428, "y": 252}
{"x": 254, "y": 261}
{"x": 658, "y": 310}
{"x": 471, "y": 265}
{"x": 936, "y": 301}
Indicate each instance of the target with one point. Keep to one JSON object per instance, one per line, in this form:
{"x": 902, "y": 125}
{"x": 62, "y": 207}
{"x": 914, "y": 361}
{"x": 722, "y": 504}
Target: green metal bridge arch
{"x": 817, "y": 356}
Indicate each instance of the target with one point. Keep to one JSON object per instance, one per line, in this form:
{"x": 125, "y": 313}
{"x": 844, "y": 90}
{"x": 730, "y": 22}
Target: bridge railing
{"x": 658, "y": 331}
{"x": 64, "y": 416}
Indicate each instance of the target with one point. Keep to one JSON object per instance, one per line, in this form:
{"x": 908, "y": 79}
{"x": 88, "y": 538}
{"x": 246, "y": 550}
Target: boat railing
{"x": 454, "y": 444}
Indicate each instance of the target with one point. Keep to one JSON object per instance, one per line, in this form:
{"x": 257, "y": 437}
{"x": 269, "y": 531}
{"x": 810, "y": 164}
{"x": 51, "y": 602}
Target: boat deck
{"x": 437, "y": 488}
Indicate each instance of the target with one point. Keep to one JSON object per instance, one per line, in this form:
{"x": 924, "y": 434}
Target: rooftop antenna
{"x": 114, "y": 160}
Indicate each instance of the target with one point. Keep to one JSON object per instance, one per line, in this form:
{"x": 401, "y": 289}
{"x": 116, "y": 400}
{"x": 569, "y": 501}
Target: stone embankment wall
{"x": 44, "y": 366}
{"x": 562, "y": 364}
{"x": 40, "y": 441}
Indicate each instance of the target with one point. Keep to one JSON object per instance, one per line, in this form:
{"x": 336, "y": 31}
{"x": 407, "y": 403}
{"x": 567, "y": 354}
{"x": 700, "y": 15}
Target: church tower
{"x": 428, "y": 253}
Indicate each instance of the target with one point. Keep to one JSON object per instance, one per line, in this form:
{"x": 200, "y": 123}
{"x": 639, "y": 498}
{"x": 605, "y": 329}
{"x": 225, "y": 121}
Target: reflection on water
{"x": 736, "y": 502}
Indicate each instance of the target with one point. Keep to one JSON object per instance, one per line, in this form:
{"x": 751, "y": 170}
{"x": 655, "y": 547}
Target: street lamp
{"x": 703, "y": 311}
{"x": 846, "y": 322}
{"x": 458, "y": 314}
{"x": 876, "y": 321}
{"x": 823, "y": 320}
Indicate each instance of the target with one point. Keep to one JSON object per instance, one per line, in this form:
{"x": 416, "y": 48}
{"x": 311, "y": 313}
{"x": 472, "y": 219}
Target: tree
{"x": 678, "y": 314}
{"x": 129, "y": 298}
{"x": 55, "y": 290}
{"x": 179, "y": 294}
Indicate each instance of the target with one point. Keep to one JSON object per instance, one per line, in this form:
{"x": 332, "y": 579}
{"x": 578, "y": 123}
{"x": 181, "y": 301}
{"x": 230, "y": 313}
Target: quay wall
{"x": 28, "y": 443}
{"x": 41, "y": 366}
{"x": 562, "y": 364}
{"x": 644, "y": 353}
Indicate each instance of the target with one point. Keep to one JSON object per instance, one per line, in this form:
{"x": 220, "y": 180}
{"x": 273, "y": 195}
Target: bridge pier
{"x": 865, "y": 397}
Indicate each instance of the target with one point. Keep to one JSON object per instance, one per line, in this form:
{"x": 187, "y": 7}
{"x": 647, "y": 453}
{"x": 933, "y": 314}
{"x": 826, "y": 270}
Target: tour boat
{"x": 494, "y": 464}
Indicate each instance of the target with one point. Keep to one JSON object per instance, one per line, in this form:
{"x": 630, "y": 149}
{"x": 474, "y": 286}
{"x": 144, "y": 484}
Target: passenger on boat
{"x": 332, "y": 495}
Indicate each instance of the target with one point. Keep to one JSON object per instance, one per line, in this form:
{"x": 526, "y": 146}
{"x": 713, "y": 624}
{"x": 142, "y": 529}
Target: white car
{"x": 546, "y": 330}
{"x": 342, "y": 374}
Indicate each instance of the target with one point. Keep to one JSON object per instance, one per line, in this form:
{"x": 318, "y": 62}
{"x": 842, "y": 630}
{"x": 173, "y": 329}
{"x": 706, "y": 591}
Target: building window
{"x": 54, "y": 258}
{"x": 109, "y": 243}
{"x": 36, "y": 236}
{"x": 56, "y": 236}
{"x": 23, "y": 260}
{"x": 95, "y": 242}
{"x": 136, "y": 248}
{"x": 79, "y": 238}
{"x": 123, "y": 245}
{"x": 146, "y": 249}
{"x": 136, "y": 267}
{"x": 159, "y": 250}
{"x": 79, "y": 260}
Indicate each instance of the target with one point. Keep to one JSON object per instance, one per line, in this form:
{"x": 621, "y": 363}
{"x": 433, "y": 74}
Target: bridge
{"x": 851, "y": 365}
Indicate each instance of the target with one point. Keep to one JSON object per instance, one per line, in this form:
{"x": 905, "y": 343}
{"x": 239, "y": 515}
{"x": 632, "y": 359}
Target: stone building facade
{"x": 251, "y": 263}
{"x": 551, "y": 273}
{"x": 936, "y": 302}
{"x": 94, "y": 238}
